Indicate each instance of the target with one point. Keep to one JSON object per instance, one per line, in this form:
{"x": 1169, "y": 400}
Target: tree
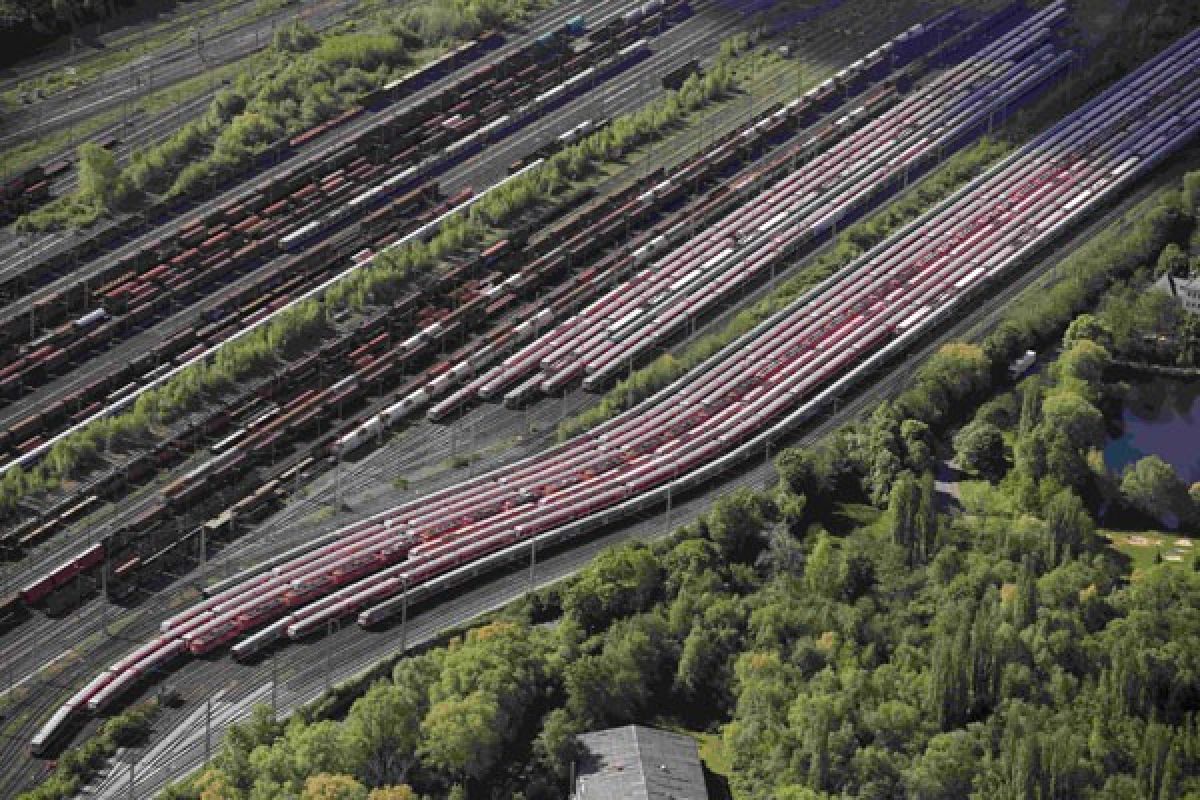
{"x": 614, "y": 685}
{"x": 98, "y": 175}
{"x": 904, "y": 509}
{"x": 1152, "y": 486}
{"x": 1069, "y": 526}
{"x": 1084, "y": 363}
{"x": 332, "y": 787}
{"x": 619, "y": 582}
{"x": 242, "y": 739}
{"x": 916, "y": 439}
{"x": 557, "y": 747}
{"x": 1031, "y": 405}
{"x": 946, "y": 768}
{"x": 783, "y": 555}
{"x": 979, "y": 446}
{"x": 461, "y": 737}
{"x": 703, "y": 672}
{"x": 806, "y": 471}
{"x": 1073, "y": 415}
{"x": 734, "y": 519}
{"x": 382, "y": 732}
{"x": 1172, "y": 260}
{"x": 1086, "y": 327}
{"x": 215, "y": 784}
{"x": 927, "y": 519}
{"x": 824, "y": 572}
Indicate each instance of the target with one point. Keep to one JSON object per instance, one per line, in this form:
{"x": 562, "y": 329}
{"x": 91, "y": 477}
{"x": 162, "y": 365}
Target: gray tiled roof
{"x": 639, "y": 763}
{"x": 1188, "y": 291}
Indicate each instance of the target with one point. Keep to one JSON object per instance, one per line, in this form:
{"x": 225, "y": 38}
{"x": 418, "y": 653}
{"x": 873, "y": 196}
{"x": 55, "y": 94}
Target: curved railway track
{"x": 527, "y": 139}
{"x": 1035, "y": 188}
{"x": 712, "y": 417}
{"x": 55, "y": 551}
{"x": 93, "y": 619}
{"x": 302, "y": 672}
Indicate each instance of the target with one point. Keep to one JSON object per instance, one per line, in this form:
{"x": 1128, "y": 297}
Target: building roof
{"x": 1188, "y": 291}
{"x": 639, "y": 763}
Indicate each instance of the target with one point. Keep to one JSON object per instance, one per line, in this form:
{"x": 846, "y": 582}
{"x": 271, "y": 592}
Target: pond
{"x": 1162, "y": 418}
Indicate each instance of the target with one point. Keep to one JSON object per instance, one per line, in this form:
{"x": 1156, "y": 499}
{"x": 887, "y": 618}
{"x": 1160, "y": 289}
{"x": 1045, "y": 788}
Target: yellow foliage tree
{"x": 332, "y": 787}
{"x": 401, "y": 792}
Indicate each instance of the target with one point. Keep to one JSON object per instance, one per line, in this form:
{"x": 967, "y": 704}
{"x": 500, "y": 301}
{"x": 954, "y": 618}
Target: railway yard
{"x": 257, "y": 440}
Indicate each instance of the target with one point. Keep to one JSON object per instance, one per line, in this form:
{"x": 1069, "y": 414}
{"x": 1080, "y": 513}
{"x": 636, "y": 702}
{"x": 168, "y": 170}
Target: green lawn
{"x": 1142, "y": 547}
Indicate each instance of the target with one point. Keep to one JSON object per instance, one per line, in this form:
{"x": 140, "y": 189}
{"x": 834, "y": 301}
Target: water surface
{"x": 1161, "y": 417}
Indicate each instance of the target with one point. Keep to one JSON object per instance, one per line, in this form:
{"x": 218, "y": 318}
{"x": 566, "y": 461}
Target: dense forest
{"x": 850, "y": 630}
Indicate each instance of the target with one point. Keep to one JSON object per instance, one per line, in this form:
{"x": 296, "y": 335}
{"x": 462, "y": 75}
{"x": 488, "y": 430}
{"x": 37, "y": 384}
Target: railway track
{"x": 138, "y": 507}
{"x": 83, "y": 611}
{"x": 532, "y": 136}
{"x": 628, "y": 463}
{"x": 303, "y": 673}
{"x": 35, "y": 253}
{"x": 65, "y": 387}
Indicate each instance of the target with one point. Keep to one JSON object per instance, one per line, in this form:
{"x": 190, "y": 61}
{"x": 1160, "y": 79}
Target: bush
{"x": 362, "y": 50}
{"x": 295, "y": 38}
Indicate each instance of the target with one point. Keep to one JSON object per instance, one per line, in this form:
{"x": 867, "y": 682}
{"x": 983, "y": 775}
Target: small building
{"x": 638, "y": 763}
{"x": 1186, "y": 290}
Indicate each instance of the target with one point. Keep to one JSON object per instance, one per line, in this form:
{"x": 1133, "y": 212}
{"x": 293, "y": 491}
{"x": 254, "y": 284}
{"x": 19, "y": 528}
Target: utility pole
{"x": 404, "y": 614}
{"x": 668, "y": 524}
{"x": 274, "y": 684}
{"x": 104, "y": 592}
{"x": 532, "y": 562}
{"x": 328, "y": 657}
{"x": 208, "y": 728}
{"x": 337, "y": 483}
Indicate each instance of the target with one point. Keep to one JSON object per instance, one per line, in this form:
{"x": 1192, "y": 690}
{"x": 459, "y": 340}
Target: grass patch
{"x": 717, "y": 760}
{"x": 1145, "y": 548}
{"x": 321, "y": 514}
{"x": 13, "y": 726}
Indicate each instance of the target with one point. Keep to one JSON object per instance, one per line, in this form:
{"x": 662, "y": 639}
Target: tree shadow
{"x": 716, "y": 785}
